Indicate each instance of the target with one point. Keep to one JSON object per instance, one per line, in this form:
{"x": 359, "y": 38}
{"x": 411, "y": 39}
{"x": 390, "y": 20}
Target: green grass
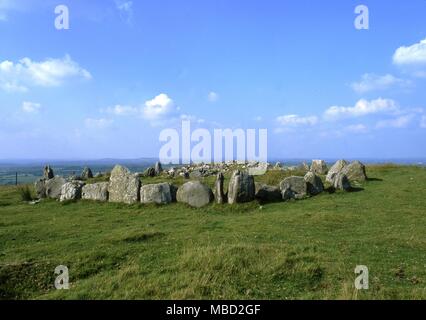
{"x": 297, "y": 250}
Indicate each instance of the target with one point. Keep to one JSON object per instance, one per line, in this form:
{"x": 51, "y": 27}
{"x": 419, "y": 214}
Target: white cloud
{"x": 49, "y": 73}
{"x": 362, "y": 108}
{"x": 120, "y": 110}
{"x": 98, "y": 123}
{"x": 125, "y": 9}
{"x": 356, "y": 128}
{"x": 213, "y": 96}
{"x": 414, "y": 54}
{"x": 159, "y": 108}
{"x": 423, "y": 122}
{"x": 373, "y": 82}
{"x": 187, "y": 117}
{"x": 400, "y": 122}
{"x": 293, "y": 120}
{"x": 31, "y": 107}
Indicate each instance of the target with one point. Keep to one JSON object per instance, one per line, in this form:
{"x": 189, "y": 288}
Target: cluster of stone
{"x": 126, "y": 187}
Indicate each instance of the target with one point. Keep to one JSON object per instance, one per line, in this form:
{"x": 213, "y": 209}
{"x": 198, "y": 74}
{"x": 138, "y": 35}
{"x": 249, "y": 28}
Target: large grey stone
{"x": 266, "y": 193}
{"x": 241, "y": 188}
{"x": 71, "y": 191}
{"x": 314, "y": 183}
{"x": 341, "y": 182}
{"x": 95, "y": 191}
{"x": 195, "y": 194}
{"x": 294, "y": 187}
{"x": 123, "y": 186}
{"x": 156, "y": 193}
{"x": 54, "y": 187}
{"x": 355, "y": 171}
{"x": 219, "y": 193}
{"x": 40, "y": 188}
{"x": 335, "y": 169}
{"x": 319, "y": 167}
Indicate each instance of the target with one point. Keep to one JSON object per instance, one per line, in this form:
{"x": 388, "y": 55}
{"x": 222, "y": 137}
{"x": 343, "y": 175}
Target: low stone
{"x": 95, "y": 191}
{"x": 149, "y": 172}
{"x": 241, "y": 188}
{"x": 86, "y": 174}
{"x": 355, "y": 171}
{"x": 265, "y": 193}
{"x": 294, "y": 187}
{"x": 314, "y": 183}
{"x": 123, "y": 186}
{"x": 156, "y": 193}
{"x": 335, "y": 169}
{"x": 71, "y": 191}
{"x": 195, "y": 194}
{"x": 40, "y": 188}
{"x": 54, "y": 187}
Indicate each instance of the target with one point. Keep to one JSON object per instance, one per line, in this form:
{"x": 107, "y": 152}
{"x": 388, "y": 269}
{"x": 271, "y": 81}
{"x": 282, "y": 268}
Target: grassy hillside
{"x": 297, "y": 250}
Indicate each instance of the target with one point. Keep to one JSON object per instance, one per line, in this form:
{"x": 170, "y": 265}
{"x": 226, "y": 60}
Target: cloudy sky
{"x": 125, "y": 70}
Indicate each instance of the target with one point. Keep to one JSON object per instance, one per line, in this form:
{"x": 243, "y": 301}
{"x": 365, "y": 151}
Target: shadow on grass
{"x": 374, "y": 179}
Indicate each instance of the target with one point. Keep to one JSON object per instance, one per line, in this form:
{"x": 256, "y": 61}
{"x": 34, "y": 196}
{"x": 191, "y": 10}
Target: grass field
{"x": 296, "y": 250}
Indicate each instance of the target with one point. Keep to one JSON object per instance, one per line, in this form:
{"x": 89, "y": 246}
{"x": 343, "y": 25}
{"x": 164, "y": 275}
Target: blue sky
{"x": 125, "y": 70}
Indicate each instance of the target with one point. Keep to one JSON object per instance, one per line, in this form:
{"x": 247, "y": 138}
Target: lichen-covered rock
{"x": 241, "y": 188}
{"x": 71, "y": 191}
{"x": 149, "y": 172}
{"x": 158, "y": 168}
{"x": 294, "y": 187}
{"x": 123, "y": 186}
{"x": 314, "y": 183}
{"x": 335, "y": 169}
{"x": 86, "y": 174}
{"x": 95, "y": 191}
{"x": 319, "y": 167}
{"x": 40, "y": 188}
{"x": 265, "y": 193}
{"x": 218, "y": 190}
{"x": 355, "y": 171}
{"x": 54, "y": 187}
{"x": 195, "y": 194}
{"x": 156, "y": 193}
{"x": 341, "y": 182}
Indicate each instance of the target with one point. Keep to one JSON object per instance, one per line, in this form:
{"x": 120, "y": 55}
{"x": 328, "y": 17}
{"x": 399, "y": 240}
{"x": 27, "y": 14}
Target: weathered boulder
{"x": 319, "y": 167}
{"x": 95, "y": 191}
{"x": 335, "y": 169}
{"x": 158, "y": 168}
{"x": 355, "y": 171}
{"x": 341, "y": 182}
{"x": 195, "y": 194}
{"x": 40, "y": 188}
{"x": 54, "y": 187}
{"x": 218, "y": 190}
{"x": 149, "y": 172}
{"x": 293, "y": 188}
{"x": 123, "y": 186}
{"x": 71, "y": 191}
{"x": 314, "y": 183}
{"x": 241, "y": 188}
{"x": 265, "y": 193}
{"x": 48, "y": 173}
{"x": 156, "y": 193}
{"x": 86, "y": 174}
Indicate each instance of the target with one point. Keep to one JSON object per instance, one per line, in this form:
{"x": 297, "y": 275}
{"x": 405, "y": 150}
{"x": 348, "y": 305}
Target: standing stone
{"x": 293, "y": 188}
{"x": 156, "y": 193}
{"x": 335, "y": 169}
{"x": 241, "y": 188}
{"x": 54, "y": 187}
{"x": 158, "y": 168}
{"x": 314, "y": 183}
{"x": 48, "y": 173}
{"x": 95, "y": 192}
{"x": 319, "y": 167}
{"x": 355, "y": 171}
{"x": 149, "y": 172}
{"x": 86, "y": 174}
{"x": 220, "y": 195}
{"x": 40, "y": 188}
{"x": 265, "y": 193}
{"x": 71, "y": 191}
{"x": 123, "y": 186}
{"x": 195, "y": 194}
{"x": 341, "y": 182}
